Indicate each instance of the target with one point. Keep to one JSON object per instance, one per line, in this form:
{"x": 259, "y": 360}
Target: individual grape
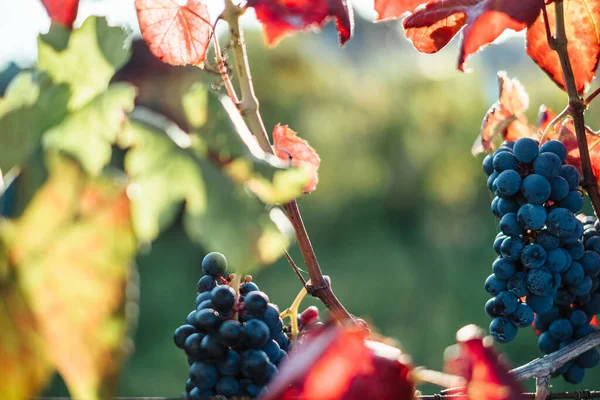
{"x": 254, "y": 363}
{"x": 269, "y": 374}
{"x": 204, "y": 375}
{"x": 575, "y": 374}
{"x": 255, "y": 334}
{"x": 189, "y": 320}
{"x": 590, "y": 233}
{"x": 202, "y": 297}
{"x": 511, "y": 248}
{"x": 282, "y": 340}
{"x": 504, "y": 161}
{"x": 561, "y": 222}
{"x": 533, "y": 256}
{"x": 590, "y": 261}
{"x": 525, "y": 150}
{"x": 571, "y": 175}
{"x": 582, "y": 288}
{"x": 536, "y": 189}
{"x": 547, "y": 344}
{"x": 505, "y": 206}
{"x": 578, "y": 318}
{"x": 503, "y": 330}
{"x": 213, "y": 348}
{"x": 223, "y": 297}
{"x": 205, "y": 304}
{"x": 214, "y": 264}
{"x": 531, "y": 217}
{"x": 271, "y": 349}
{"x": 540, "y": 281}
{"x": 201, "y": 394}
{"x": 230, "y": 365}
{"x": 561, "y": 329}
{"x": 192, "y": 345}
{"x": 589, "y": 359}
{"x": 575, "y": 235}
{"x": 573, "y": 201}
{"x": 182, "y": 333}
{"x": 491, "y": 180}
{"x": 498, "y": 241}
{"x": 248, "y": 287}
{"x": 228, "y": 386}
{"x": 282, "y": 357}
{"x": 593, "y": 244}
{"x": 574, "y": 275}
{"x": 508, "y": 182}
{"x": 540, "y": 304}
{"x": 559, "y": 188}
{"x": 503, "y": 269}
{"x": 547, "y": 240}
{"x": 490, "y": 308}
{"x": 575, "y": 249}
{"x": 271, "y": 317}
{"x": 256, "y": 303}
{"x": 488, "y": 164}
{"x": 254, "y": 390}
{"x": 207, "y": 320}
{"x": 516, "y": 285}
{"x": 206, "y": 284}
{"x": 231, "y": 332}
{"x": 547, "y": 165}
{"x": 556, "y": 260}
{"x": 506, "y": 303}
{"x": 523, "y": 316}
{"x": 556, "y": 147}
{"x": 509, "y": 225}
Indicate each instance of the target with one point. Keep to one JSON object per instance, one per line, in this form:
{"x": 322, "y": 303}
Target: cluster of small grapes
{"x": 234, "y": 343}
{"x": 570, "y": 318}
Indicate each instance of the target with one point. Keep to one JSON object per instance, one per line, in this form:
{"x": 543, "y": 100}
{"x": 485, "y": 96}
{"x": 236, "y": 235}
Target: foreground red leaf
{"x": 176, "y": 34}
{"x": 432, "y": 27}
{"x": 505, "y": 118}
{"x": 288, "y": 146}
{"x": 339, "y": 364}
{"x": 62, "y": 12}
{"x": 582, "y": 18}
{"x": 283, "y": 17}
{"x": 389, "y": 9}
{"x": 487, "y": 376}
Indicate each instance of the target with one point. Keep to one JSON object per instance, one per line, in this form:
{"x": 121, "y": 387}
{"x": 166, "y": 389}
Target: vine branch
{"x": 576, "y": 103}
{"x": 249, "y": 109}
{"x": 578, "y": 395}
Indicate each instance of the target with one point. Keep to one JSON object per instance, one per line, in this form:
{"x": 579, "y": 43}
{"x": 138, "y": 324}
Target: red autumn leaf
{"x": 545, "y": 116}
{"x": 505, "y": 117}
{"x": 283, "y": 17}
{"x": 339, "y": 364}
{"x": 62, "y": 12}
{"x": 388, "y": 9}
{"x": 432, "y": 27}
{"x": 594, "y": 321}
{"x": 176, "y": 34}
{"x": 487, "y": 376}
{"x": 288, "y": 146}
{"x": 582, "y": 17}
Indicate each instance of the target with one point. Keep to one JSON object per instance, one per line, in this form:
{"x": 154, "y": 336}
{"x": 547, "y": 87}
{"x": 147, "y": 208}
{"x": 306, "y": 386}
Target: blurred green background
{"x": 400, "y": 221}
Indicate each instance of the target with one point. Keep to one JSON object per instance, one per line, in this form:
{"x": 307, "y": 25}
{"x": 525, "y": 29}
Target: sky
{"x": 21, "y": 22}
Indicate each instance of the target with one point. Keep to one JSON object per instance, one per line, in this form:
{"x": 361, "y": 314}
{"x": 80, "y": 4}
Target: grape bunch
{"x": 234, "y": 342}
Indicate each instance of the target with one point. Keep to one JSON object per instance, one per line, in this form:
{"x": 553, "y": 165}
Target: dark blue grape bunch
{"x": 537, "y": 195}
{"x": 234, "y": 342}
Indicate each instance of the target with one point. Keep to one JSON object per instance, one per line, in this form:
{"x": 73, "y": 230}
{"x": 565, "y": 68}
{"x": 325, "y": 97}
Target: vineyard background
{"x": 401, "y": 220}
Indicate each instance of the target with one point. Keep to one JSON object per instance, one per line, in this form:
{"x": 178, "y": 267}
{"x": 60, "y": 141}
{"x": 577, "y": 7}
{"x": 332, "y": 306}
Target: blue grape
{"x": 561, "y": 222}
{"x": 547, "y": 240}
{"x": 254, "y": 363}
{"x": 506, "y": 303}
{"x": 228, "y": 387}
{"x": 563, "y": 369}
{"x": 189, "y": 385}
{"x": 540, "y": 281}
{"x": 509, "y": 225}
{"x": 556, "y": 260}
{"x": 212, "y": 347}
{"x": 256, "y": 303}
{"x": 201, "y": 394}
{"x": 488, "y": 164}
{"x": 536, "y": 189}
{"x": 256, "y": 334}
{"x": 214, "y": 264}
{"x": 504, "y": 161}
{"x": 505, "y": 206}
{"x": 206, "y": 284}
{"x": 498, "y": 241}
{"x": 230, "y": 365}
{"x": 574, "y": 374}
{"x": 282, "y": 340}
{"x": 533, "y": 256}
{"x": 508, "y": 182}
{"x": 590, "y": 233}
{"x": 525, "y": 150}
{"x": 583, "y": 331}
{"x": 556, "y": 147}
{"x": 192, "y": 345}
{"x": 503, "y": 268}
{"x": 223, "y": 297}
{"x": 189, "y": 320}
{"x": 204, "y": 375}
{"x": 575, "y": 249}
{"x": 182, "y": 333}
{"x": 503, "y": 330}
{"x": 202, "y": 297}
{"x": 590, "y": 261}
{"x": 561, "y": 329}
{"x": 540, "y": 304}
{"x": 494, "y": 207}
{"x": 547, "y": 344}
{"x": 589, "y": 359}
{"x": 248, "y": 287}
{"x": 231, "y": 332}
{"x": 511, "y": 248}
{"x": 491, "y": 179}
{"x": 523, "y": 316}
{"x": 573, "y": 201}
{"x": 578, "y": 318}
{"x": 207, "y": 320}
{"x": 593, "y": 244}
{"x": 575, "y": 235}
{"x": 547, "y": 165}
{"x": 490, "y": 308}
{"x": 559, "y": 188}
{"x": 571, "y": 175}
{"x": 574, "y": 275}
{"x": 531, "y": 217}
{"x": 516, "y": 285}
{"x": 271, "y": 349}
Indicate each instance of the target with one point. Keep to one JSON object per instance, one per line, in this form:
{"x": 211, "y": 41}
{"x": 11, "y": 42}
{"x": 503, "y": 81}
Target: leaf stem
{"x": 221, "y": 66}
{"x": 249, "y": 109}
{"x": 576, "y": 104}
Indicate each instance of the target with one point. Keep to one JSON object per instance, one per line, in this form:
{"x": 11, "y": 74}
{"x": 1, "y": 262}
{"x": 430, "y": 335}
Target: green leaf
{"x": 219, "y": 214}
{"x": 89, "y": 133}
{"x": 72, "y": 249}
{"x": 94, "y": 53}
{"x": 31, "y": 106}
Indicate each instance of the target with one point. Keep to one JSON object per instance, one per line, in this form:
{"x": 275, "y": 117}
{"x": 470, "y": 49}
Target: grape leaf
{"x": 89, "y": 132}
{"x": 62, "y": 12}
{"x": 31, "y": 106}
{"x": 388, "y": 9}
{"x": 288, "y": 146}
{"x": 431, "y": 28}
{"x": 582, "y": 19}
{"x": 505, "y": 118}
{"x": 486, "y": 374}
{"x": 283, "y": 17}
{"x": 165, "y": 176}
{"x": 93, "y": 53}
{"x": 177, "y": 34}
{"x": 363, "y": 369}
{"x": 72, "y": 248}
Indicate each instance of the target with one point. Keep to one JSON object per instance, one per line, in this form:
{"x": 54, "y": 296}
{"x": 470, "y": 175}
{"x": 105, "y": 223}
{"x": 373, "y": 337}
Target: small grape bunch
{"x": 234, "y": 342}
{"x": 537, "y": 195}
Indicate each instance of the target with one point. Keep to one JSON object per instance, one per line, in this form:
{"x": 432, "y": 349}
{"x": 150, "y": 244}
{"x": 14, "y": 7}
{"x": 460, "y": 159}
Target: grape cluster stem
{"x": 248, "y": 106}
{"x": 577, "y": 104}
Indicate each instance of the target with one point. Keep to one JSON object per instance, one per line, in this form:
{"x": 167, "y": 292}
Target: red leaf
{"x": 594, "y": 321}
{"x": 62, "y": 12}
{"x": 339, "y": 364}
{"x": 288, "y": 146}
{"x": 487, "y": 376}
{"x": 582, "y": 17}
{"x": 545, "y": 116}
{"x": 176, "y": 34}
{"x": 388, "y": 9}
{"x": 436, "y": 24}
{"x": 283, "y": 17}
{"x": 505, "y": 118}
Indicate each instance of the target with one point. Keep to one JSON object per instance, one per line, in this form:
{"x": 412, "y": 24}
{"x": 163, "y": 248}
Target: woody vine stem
{"x": 248, "y": 106}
